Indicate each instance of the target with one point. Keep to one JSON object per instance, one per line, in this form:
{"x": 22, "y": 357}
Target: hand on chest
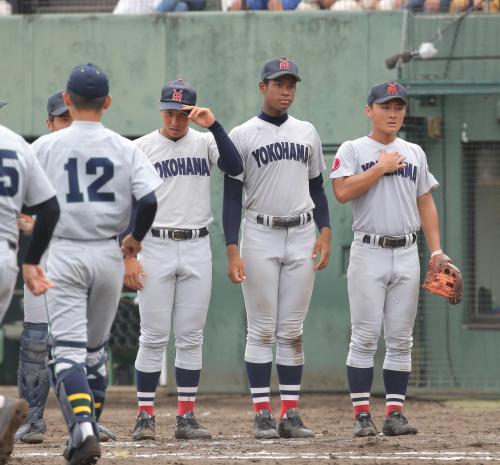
{"x": 409, "y": 169}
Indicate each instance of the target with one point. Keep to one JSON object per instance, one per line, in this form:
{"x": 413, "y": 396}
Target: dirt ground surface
{"x": 458, "y": 431}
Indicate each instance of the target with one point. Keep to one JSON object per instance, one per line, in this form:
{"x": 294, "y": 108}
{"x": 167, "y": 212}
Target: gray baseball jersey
{"x": 22, "y": 181}
{"x": 96, "y": 172}
{"x": 390, "y": 206}
{"x": 278, "y": 163}
{"x": 184, "y": 166}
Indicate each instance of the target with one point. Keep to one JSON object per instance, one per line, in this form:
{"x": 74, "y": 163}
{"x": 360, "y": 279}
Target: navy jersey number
{"x": 91, "y": 167}
{"x": 9, "y": 176}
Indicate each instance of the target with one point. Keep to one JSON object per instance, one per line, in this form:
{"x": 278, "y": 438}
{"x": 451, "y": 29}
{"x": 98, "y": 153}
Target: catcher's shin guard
{"x": 97, "y": 377}
{"x": 32, "y": 375}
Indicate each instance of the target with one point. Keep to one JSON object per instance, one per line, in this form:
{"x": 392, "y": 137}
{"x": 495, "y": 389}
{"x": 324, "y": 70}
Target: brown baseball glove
{"x": 444, "y": 278}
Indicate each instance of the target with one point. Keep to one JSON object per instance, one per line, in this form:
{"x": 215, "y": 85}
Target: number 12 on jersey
{"x": 91, "y": 167}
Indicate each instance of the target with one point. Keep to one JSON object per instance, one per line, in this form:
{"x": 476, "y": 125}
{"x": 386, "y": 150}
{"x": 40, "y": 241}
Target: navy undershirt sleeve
{"x": 229, "y": 158}
{"x": 146, "y": 211}
{"x": 321, "y": 214}
{"x": 47, "y": 215}
{"x": 231, "y": 209}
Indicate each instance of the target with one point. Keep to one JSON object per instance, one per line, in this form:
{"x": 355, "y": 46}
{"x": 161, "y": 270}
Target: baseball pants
{"x": 177, "y": 289}
{"x": 383, "y": 286}
{"x": 8, "y": 276}
{"x": 277, "y": 291}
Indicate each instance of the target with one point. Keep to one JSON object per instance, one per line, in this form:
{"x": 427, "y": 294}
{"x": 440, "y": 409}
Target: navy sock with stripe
{"x": 187, "y": 387}
{"x": 259, "y": 379}
{"x": 146, "y": 390}
{"x": 396, "y": 384}
{"x": 360, "y": 384}
{"x": 290, "y": 378}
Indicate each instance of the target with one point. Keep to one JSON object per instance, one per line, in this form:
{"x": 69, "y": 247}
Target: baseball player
{"x": 22, "y": 181}
{"x": 283, "y": 187}
{"x": 32, "y": 376}
{"x": 96, "y": 173}
{"x": 176, "y": 259}
{"x": 390, "y": 186}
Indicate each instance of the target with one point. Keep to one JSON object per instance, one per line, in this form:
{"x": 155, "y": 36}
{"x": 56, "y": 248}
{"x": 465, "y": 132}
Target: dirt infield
{"x": 449, "y": 432}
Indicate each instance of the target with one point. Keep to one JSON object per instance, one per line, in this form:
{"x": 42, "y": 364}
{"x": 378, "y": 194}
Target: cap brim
{"x": 2, "y": 103}
{"x": 59, "y": 110}
{"x": 171, "y": 106}
{"x": 283, "y": 73}
{"x": 387, "y": 98}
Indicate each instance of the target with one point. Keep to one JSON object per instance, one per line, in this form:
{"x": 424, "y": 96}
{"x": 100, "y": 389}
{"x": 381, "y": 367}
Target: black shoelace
{"x": 265, "y": 421}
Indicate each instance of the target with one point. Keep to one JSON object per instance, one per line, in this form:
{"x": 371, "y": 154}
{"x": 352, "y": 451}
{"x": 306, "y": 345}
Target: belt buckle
{"x": 177, "y": 235}
{"x": 385, "y": 242}
{"x": 279, "y": 222}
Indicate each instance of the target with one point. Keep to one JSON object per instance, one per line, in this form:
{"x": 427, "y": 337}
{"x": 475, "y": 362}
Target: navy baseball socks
{"x": 146, "y": 391}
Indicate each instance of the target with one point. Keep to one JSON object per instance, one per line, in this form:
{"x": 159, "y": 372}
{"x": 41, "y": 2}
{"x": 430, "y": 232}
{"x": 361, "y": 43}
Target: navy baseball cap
{"x": 176, "y": 93}
{"x": 56, "y": 105}
{"x": 88, "y": 81}
{"x": 387, "y": 91}
{"x": 280, "y": 67}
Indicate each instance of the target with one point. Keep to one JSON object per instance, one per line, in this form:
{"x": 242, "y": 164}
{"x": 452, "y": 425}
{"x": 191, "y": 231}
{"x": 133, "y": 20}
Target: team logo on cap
{"x": 177, "y": 95}
{"x": 336, "y": 164}
{"x": 284, "y": 64}
{"x": 392, "y": 88}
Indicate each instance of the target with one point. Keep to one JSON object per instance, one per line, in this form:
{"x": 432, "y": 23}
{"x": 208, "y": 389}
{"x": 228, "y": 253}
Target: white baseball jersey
{"x": 96, "y": 172}
{"x": 390, "y": 206}
{"x": 22, "y": 181}
{"x": 184, "y": 166}
{"x": 278, "y": 162}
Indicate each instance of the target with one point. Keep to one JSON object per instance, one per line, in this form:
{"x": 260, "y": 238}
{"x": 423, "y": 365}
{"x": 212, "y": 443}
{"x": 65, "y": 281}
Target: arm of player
{"x": 229, "y": 158}
{"x": 146, "y": 211}
{"x": 429, "y": 219}
{"x": 47, "y": 216}
{"x": 231, "y": 219}
{"x": 352, "y": 187}
{"x": 322, "y": 220}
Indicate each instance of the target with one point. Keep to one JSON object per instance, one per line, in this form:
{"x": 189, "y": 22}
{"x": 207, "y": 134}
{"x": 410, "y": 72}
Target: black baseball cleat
{"x": 105, "y": 434}
{"x": 12, "y": 414}
{"x": 265, "y": 425}
{"x": 144, "y": 427}
{"x": 187, "y": 427}
{"x": 87, "y": 452}
{"x": 363, "y": 426}
{"x": 396, "y": 425}
{"x": 291, "y": 426}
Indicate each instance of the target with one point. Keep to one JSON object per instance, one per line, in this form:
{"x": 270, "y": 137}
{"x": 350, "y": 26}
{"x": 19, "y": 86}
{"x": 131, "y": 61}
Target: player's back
{"x": 20, "y": 182}
{"x": 94, "y": 171}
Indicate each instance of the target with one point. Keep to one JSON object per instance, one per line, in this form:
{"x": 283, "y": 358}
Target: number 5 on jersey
{"x": 91, "y": 167}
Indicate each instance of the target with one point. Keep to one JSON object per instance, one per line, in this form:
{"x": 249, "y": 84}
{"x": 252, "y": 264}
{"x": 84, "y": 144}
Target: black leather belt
{"x": 179, "y": 234}
{"x": 391, "y": 242}
{"x": 281, "y": 222}
{"x": 12, "y": 245}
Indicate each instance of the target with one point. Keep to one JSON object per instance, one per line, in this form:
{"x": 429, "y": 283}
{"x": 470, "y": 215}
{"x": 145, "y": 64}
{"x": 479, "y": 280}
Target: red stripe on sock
{"x": 288, "y": 404}
{"x": 357, "y": 409}
{"x": 184, "y": 406}
{"x": 391, "y": 408}
{"x": 149, "y": 409}
{"x": 262, "y": 406}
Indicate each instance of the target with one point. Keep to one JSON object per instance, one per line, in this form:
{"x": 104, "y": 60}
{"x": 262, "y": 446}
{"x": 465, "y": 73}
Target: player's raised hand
{"x": 390, "y": 161}
{"x": 133, "y": 274}
{"x": 201, "y": 116}
{"x": 322, "y": 247}
{"x": 235, "y": 265}
{"x": 35, "y": 279}
{"x": 130, "y": 246}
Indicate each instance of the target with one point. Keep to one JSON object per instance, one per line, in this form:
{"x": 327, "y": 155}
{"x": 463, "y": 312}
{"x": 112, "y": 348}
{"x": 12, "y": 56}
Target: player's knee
{"x": 363, "y": 347}
{"x": 153, "y": 340}
{"x": 33, "y": 348}
{"x": 291, "y": 341}
{"x": 189, "y": 341}
{"x": 399, "y": 345}
{"x": 261, "y": 337}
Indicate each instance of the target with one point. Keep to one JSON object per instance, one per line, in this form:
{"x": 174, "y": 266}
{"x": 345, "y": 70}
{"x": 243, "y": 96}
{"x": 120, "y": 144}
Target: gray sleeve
{"x": 234, "y": 135}
{"x": 316, "y": 160}
{"x": 144, "y": 177}
{"x": 344, "y": 163}
{"x": 38, "y": 187}
{"x": 426, "y": 181}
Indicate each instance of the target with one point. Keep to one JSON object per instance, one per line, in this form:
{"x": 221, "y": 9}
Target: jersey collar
{"x": 276, "y": 120}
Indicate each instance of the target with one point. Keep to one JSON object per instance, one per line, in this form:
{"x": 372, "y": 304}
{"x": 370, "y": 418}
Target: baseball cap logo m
{"x": 392, "y": 88}
{"x": 177, "y": 95}
{"x": 284, "y": 64}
